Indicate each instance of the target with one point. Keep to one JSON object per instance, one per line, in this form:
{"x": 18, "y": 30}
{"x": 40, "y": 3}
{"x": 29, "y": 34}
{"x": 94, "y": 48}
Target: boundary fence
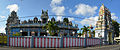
{"x": 52, "y": 42}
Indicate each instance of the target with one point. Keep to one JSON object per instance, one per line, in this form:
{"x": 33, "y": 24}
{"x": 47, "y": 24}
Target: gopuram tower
{"x": 104, "y": 26}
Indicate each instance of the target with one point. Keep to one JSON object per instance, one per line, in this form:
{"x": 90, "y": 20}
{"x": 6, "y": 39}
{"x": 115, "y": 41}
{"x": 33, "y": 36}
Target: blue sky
{"x": 87, "y": 9}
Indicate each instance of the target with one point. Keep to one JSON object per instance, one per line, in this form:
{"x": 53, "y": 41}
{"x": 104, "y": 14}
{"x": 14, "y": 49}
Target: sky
{"x": 87, "y": 9}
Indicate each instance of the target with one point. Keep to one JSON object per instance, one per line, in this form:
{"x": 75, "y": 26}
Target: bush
{"x": 17, "y": 34}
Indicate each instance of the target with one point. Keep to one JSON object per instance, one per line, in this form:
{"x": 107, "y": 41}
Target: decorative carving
{"x": 53, "y": 19}
{"x": 35, "y": 20}
{"x": 44, "y": 16}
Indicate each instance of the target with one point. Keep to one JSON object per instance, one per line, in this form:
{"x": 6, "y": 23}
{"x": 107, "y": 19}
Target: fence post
{"x": 85, "y": 42}
{"x": 8, "y": 40}
{"x": 61, "y": 42}
{"x": 32, "y": 42}
{"x": 100, "y": 41}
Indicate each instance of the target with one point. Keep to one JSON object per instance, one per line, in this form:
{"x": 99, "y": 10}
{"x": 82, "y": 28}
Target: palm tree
{"x": 52, "y": 28}
{"x": 85, "y": 30}
{"x": 90, "y": 33}
{"x": 93, "y": 32}
{"x": 80, "y": 33}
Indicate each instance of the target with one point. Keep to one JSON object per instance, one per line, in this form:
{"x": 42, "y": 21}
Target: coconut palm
{"x": 85, "y": 30}
{"x": 93, "y": 32}
{"x": 52, "y": 28}
{"x": 89, "y": 33}
{"x": 80, "y": 33}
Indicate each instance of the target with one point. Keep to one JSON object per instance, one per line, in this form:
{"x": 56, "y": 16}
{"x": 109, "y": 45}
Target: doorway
{"x": 43, "y": 34}
{"x": 110, "y": 38}
{"x": 33, "y": 33}
{"x": 24, "y": 33}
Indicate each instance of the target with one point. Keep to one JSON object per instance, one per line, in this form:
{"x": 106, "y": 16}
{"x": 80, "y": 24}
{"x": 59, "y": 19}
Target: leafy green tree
{"x": 52, "y": 28}
{"x": 66, "y": 20}
{"x": 115, "y": 25}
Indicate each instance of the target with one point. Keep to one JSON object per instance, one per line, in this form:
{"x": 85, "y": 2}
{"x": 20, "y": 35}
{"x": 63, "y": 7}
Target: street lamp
{"x": 73, "y": 33}
{"x": 47, "y": 32}
{"x": 44, "y": 35}
{"x": 21, "y": 32}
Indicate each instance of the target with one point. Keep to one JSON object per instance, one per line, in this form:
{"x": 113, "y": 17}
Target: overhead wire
{"x": 99, "y": 3}
{"x": 77, "y": 17}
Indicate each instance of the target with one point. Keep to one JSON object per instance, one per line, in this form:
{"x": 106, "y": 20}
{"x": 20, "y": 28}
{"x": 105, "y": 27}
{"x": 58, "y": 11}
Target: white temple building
{"x": 104, "y": 26}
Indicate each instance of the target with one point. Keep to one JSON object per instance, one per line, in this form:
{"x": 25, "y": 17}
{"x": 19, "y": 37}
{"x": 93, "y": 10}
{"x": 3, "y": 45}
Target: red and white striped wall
{"x": 92, "y": 41}
{"x": 72, "y": 42}
{"x": 51, "y": 42}
{"x": 46, "y": 42}
{"x": 20, "y": 41}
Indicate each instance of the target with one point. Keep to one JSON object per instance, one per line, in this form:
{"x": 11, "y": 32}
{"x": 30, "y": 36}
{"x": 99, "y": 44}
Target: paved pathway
{"x": 108, "y": 47}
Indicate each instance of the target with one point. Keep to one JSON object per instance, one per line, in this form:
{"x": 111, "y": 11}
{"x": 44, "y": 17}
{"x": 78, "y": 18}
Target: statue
{"x": 44, "y": 16}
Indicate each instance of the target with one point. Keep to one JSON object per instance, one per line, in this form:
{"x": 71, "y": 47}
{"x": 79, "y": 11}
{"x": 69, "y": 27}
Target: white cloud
{"x": 88, "y": 21}
{"x": 2, "y": 29}
{"x": 2, "y": 16}
{"x": 114, "y": 17}
{"x": 85, "y": 10}
{"x": 58, "y": 10}
{"x": 59, "y": 18}
{"x": 55, "y": 2}
{"x": 112, "y": 14}
{"x": 71, "y": 19}
{"x": 70, "y": 11}
{"x": 93, "y": 20}
{"x": 13, "y": 7}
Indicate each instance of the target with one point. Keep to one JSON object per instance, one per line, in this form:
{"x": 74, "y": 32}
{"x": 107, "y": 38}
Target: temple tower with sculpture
{"x": 104, "y": 27}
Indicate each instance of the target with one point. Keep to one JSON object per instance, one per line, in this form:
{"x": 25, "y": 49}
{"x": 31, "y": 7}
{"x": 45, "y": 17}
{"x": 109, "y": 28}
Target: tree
{"x": 89, "y": 33}
{"x": 80, "y": 34}
{"x": 90, "y": 30}
{"x": 66, "y": 20}
{"x": 115, "y": 25}
{"x": 84, "y": 30}
{"x": 52, "y": 28}
{"x": 93, "y": 32}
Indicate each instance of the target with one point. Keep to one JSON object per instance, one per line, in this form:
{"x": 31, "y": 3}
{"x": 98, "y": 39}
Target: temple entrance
{"x": 33, "y": 33}
{"x": 43, "y": 34}
{"x": 24, "y": 33}
{"x": 36, "y": 33}
{"x": 65, "y": 34}
{"x": 110, "y": 40}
